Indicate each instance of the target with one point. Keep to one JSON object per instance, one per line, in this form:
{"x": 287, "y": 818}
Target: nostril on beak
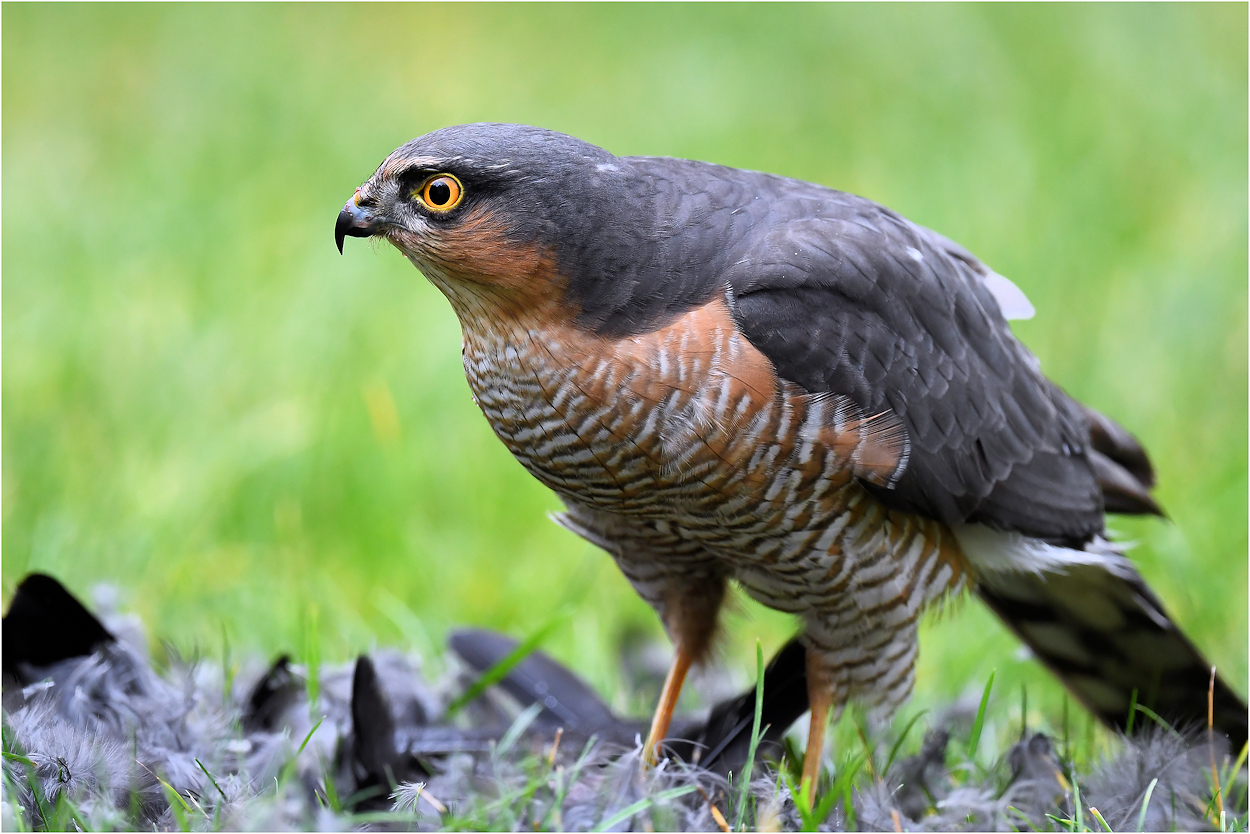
{"x": 354, "y": 221}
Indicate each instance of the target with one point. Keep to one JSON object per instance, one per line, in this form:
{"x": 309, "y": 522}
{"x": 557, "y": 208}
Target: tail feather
{"x": 723, "y": 742}
{"x": 1104, "y": 633}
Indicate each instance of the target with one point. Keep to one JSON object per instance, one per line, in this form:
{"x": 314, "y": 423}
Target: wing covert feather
{"x": 854, "y": 299}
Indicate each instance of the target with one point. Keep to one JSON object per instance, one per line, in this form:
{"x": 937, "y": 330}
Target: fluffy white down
{"x": 996, "y": 552}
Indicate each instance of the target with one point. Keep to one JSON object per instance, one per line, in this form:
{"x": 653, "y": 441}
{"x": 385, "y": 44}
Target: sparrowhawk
{"x": 733, "y": 376}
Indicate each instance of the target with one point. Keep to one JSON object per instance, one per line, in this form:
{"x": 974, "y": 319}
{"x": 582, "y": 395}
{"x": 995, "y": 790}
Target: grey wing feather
{"x": 844, "y": 295}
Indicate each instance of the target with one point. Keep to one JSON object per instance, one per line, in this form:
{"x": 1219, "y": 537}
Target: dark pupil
{"x": 439, "y": 193}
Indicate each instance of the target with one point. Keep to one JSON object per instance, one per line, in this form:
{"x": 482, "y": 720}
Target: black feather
{"x": 382, "y": 765}
{"x": 45, "y": 624}
{"x": 720, "y": 743}
{"x": 723, "y": 743}
{"x": 567, "y": 701}
{"x": 275, "y": 693}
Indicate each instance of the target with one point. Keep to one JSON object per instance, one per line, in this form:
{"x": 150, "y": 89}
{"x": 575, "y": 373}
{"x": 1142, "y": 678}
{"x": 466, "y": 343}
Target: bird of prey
{"x": 728, "y": 376}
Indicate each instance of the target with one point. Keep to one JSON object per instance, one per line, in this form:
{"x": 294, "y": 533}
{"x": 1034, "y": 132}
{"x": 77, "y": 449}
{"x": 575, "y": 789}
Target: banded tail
{"x": 1092, "y": 620}
{"x": 1104, "y": 633}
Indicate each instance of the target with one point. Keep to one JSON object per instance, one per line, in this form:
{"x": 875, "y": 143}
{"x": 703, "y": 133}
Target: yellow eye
{"x": 441, "y": 192}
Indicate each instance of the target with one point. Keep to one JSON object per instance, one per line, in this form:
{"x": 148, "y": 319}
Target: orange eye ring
{"x": 440, "y": 193}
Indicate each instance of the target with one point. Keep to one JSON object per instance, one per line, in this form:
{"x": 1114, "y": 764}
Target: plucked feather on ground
{"x": 95, "y": 737}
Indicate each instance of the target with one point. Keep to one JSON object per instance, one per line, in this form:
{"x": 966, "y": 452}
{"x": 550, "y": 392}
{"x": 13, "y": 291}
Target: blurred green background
{"x": 261, "y": 441}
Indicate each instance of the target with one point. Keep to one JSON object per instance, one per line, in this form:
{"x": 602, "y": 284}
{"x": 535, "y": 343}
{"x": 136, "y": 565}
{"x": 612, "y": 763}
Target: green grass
{"x": 264, "y": 443}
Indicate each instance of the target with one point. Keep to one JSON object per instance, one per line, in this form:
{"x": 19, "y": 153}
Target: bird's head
{"x": 490, "y": 206}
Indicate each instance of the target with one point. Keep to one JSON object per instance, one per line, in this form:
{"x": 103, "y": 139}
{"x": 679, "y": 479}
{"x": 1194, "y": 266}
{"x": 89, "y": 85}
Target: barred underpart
{"x": 683, "y": 455}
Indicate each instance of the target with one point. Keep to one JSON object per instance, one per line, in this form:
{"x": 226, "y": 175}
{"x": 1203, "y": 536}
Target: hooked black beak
{"x": 354, "y": 221}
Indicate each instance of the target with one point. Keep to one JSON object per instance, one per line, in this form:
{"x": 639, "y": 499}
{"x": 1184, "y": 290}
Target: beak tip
{"x": 353, "y": 222}
{"x": 342, "y": 226}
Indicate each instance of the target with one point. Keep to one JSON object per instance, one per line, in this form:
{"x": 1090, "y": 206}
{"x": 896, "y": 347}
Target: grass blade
{"x": 868, "y": 749}
{"x": 331, "y": 793}
{"x": 211, "y": 779}
{"x": 216, "y": 805}
{"x": 36, "y": 792}
{"x": 1215, "y": 773}
{"x": 229, "y": 669}
{"x": 641, "y": 805}
{"x": 745, "y": 776}
{"x": 312, "y": 654}
{"x": 519, "y": 726}
{"x": 1078, "y": 806}
{"x": 1024, "y": 712}
{"x": 403, "y": 822}
{"x": 68, "y": 817}
{"x": 1060, "y": 823}
{"x": 802, "y": 802}
{"x": 496, "y": 673}
{"x": 840, "y": 789}
{"x": 623, "y": 814}
{"x": 1145, "y": 803}
{"x": 975, "y": 738}
{"x": 1236, "y": 768}
{"x": 1154, "y": 716}
{"x": 177, "y": 803}
{"x": 902, "y": 737}
{"x": 811, "y": 818}
{"x": 308, "y": 737}
{"x": 19, "y": 811}
{"x": 1067, "y": 741}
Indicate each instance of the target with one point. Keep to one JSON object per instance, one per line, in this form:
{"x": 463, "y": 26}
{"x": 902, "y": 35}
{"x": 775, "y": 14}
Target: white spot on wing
{"x": 1011, "y": 299}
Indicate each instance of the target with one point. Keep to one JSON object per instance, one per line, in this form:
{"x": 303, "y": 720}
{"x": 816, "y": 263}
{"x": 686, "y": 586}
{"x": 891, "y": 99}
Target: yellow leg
{"x": 668, "y": 701}
{"x": 820, "y": 695}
